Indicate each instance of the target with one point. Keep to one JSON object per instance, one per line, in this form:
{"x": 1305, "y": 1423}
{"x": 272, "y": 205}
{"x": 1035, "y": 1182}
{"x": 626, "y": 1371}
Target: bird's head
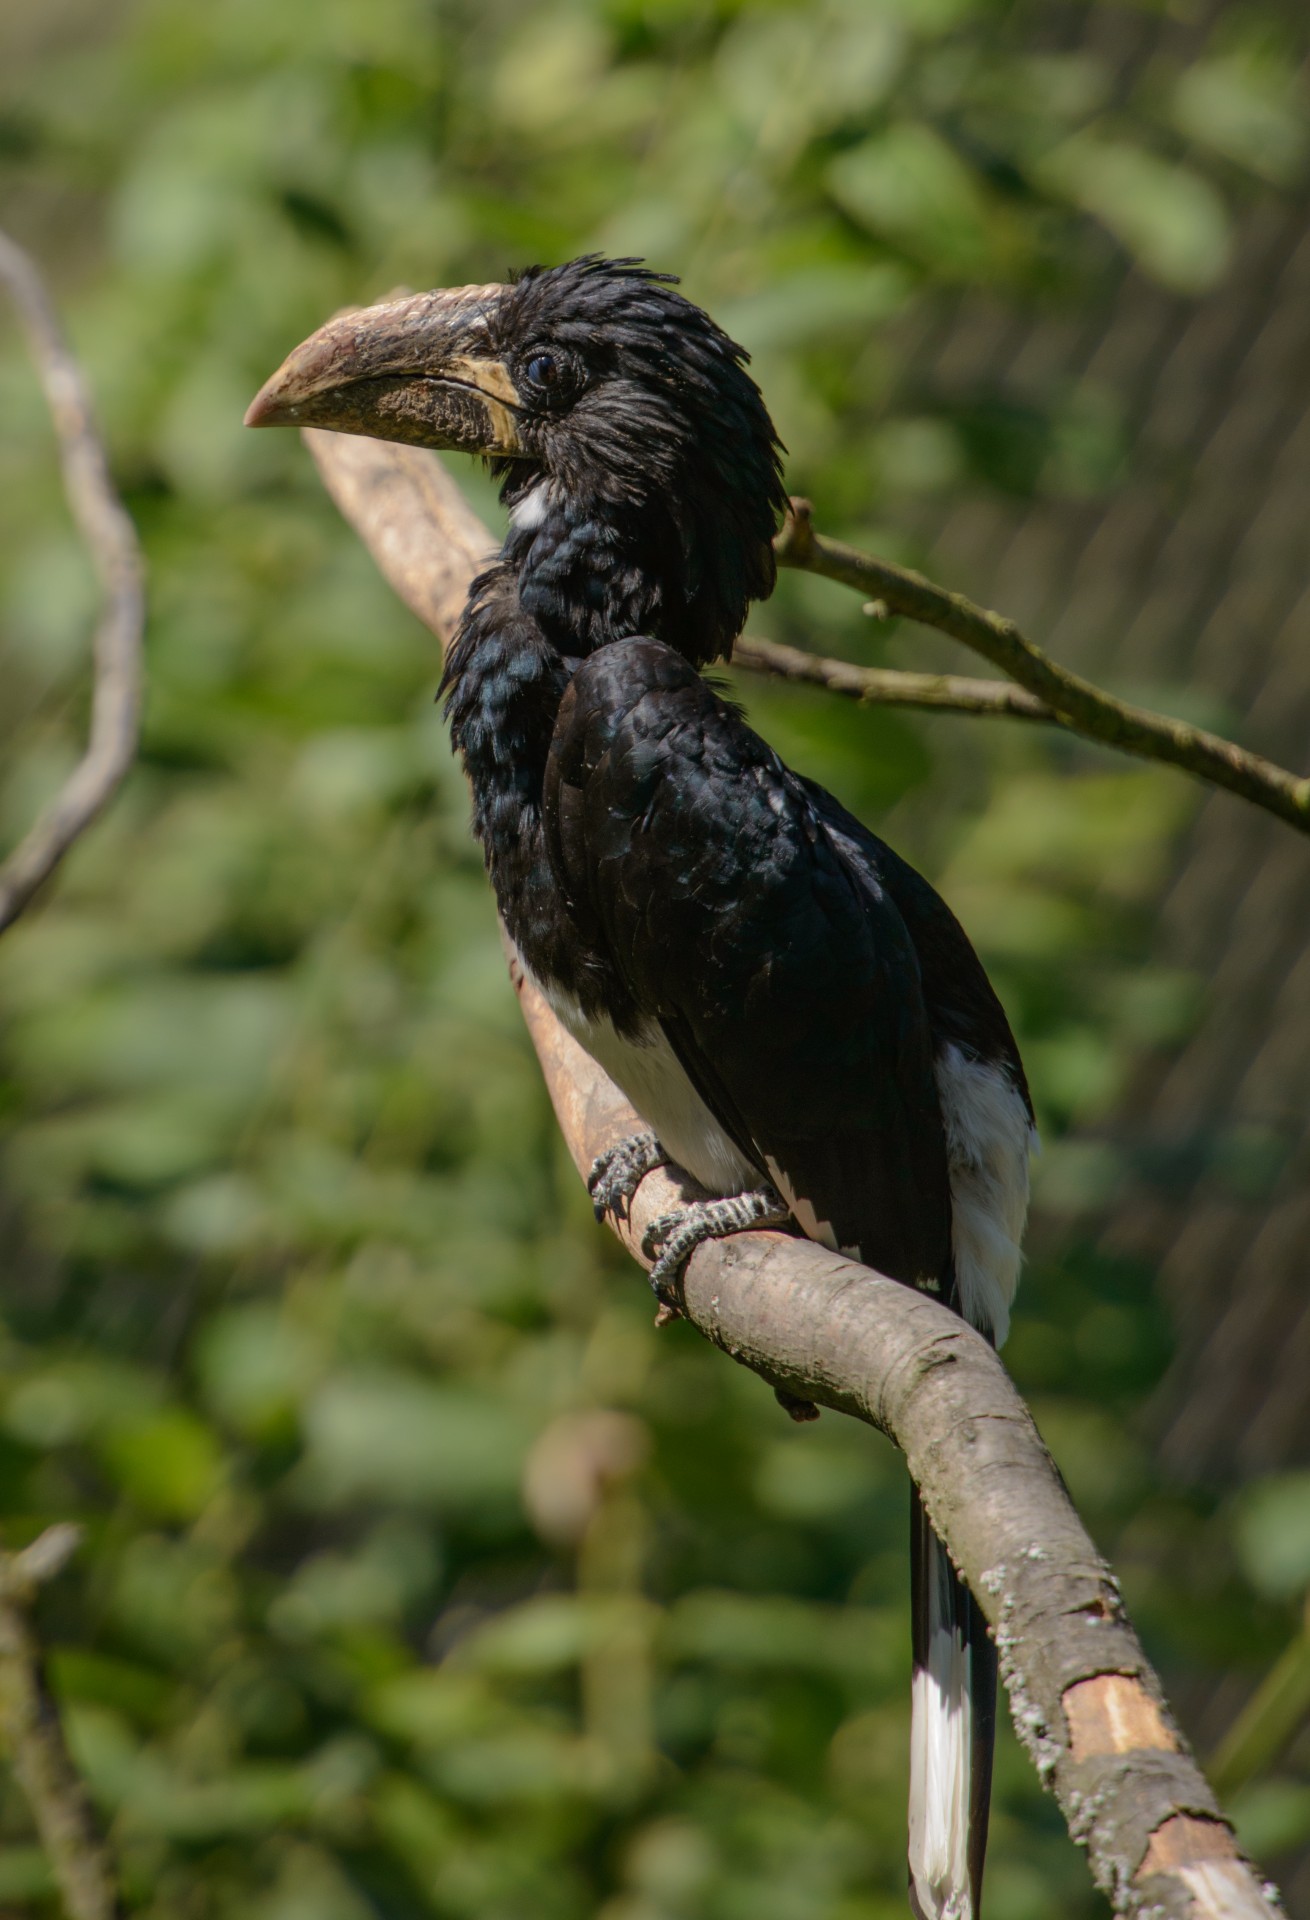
{"x": 639, "y": 462}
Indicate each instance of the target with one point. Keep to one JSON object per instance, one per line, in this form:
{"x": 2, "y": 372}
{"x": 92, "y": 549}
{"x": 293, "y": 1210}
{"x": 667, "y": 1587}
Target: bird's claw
{"x": 668, "y": 1243}
{"x": 671, "y": 1239}
{"x": 618, "y": 1172}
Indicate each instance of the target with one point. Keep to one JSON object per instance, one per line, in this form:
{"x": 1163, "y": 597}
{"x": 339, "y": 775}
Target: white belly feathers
{"x": 988, "y": 1141}
{"x": 651, "y": 1075}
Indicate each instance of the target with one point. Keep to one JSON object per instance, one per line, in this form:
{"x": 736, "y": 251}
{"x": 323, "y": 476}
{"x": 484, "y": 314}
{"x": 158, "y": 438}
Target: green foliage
{"x": 307, "y": 1319}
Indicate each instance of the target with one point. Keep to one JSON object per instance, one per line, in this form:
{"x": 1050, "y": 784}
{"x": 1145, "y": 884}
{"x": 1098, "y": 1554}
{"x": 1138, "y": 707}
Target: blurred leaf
{"x": 1272, "y": 1818}
{"x": 170, "y": 1464}
{"x": 394, "y": 1436}
{"x": 1169, "y": 216}
{"x": 255, "y": 1364}
{"x": 379, "y": 1585}
{"x": 798, "y": 1482}
{"x": 1248, "y": 106}
{"x": 736, "y": 1630}
{"x": 1273, "y": 1534}
{"x": 909, "y": 187}
{"x": 822, "y": 302}
{"x": 554, "y": 1631}
{"x": 25, "y": 1874}
{"x": 174, "y": 1602}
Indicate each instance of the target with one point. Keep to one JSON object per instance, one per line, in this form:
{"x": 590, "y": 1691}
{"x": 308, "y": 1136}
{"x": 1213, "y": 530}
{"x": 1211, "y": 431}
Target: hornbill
{"x": 795, "y": 1014}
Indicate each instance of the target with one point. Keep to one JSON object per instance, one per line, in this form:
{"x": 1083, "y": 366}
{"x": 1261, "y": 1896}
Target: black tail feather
{"x": 983, "y": 1683}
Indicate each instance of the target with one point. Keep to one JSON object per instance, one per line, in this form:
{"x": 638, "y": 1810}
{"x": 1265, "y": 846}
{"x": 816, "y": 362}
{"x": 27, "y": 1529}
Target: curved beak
{"x": 420, "y": 369}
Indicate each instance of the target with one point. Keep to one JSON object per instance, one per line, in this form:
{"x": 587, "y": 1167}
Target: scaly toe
{"x": 618, "y": 1172}
{"x": 659, "y": 1230}
{"x": 670, "y": 1240}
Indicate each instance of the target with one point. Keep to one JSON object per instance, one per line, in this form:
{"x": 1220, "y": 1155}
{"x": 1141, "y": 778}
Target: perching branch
{"x": 1085, "y": 1701}
{"x": 111, "y": 541}
{"x": 1069, "y": 700}
{"x": 30, "y": 1729}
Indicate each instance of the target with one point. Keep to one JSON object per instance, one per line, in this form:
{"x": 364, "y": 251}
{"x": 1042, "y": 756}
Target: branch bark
{"x": 110, "y": 538}
{"x": 1085, "y": 1701}
{"x": 29, "y": 1725}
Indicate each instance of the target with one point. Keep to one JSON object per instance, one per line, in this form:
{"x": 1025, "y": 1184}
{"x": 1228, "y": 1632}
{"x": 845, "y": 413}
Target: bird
{"x": 794, "y": 1013}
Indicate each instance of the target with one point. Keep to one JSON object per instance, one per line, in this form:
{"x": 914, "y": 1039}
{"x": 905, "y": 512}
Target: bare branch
{"x": 111, "y": 540}
{"x": 1085, "y": 1700}
{"x": 1045, "y": 691}
{"x": 30, "y": 1728}
{"x": 887, "y": 686}
{"x": 1073, "y": 702}
{"x": 29, "y": 1721}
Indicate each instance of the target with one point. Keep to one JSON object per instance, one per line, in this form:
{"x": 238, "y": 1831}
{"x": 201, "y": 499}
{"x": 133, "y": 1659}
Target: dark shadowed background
{"x": 422, "y": 1578}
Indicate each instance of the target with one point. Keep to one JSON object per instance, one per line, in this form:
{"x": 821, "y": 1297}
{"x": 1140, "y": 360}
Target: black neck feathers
{"x": 503, "y": 682}
{"x": 643, "y": 498}
{"x": 592, "y": 571}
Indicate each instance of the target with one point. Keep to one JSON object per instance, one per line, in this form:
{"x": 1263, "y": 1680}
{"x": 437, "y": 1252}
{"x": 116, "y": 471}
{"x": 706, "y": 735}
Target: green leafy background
{"x": 421, "y": 1577}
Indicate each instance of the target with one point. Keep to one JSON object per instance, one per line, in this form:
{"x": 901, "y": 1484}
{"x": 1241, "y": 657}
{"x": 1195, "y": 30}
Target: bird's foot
{"x": 618, "y": 1172}
{"x": 671, "y": 1240}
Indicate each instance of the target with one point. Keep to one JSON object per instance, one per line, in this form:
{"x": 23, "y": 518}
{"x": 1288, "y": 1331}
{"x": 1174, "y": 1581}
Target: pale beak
{"x": 420, "y": 369}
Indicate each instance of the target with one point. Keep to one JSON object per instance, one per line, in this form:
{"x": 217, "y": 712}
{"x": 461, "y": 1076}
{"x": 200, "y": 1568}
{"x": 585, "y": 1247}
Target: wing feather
{"x": 779, "y": 968}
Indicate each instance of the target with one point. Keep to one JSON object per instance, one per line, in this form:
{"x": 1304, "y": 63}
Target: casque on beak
{"x": 419, "y": 369}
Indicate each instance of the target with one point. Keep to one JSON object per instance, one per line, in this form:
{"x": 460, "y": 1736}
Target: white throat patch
{"x": 529, "y": 512}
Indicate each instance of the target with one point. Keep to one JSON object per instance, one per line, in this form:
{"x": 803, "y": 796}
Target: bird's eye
{"x": 551, "y": 380}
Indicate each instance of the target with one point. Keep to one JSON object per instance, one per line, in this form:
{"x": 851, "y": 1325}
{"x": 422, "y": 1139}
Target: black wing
{"x": 962, "y": 1003}
{"x": 779, "y": 968}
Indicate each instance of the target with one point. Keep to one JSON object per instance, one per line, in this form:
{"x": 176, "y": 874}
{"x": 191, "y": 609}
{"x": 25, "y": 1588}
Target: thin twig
{"x": 888, "y": 686}
{"x": 30, "y": 1728}
{"x": 111, "y": 540}
{"x": 1072, "y": 701}
{"x": 1085, "y": 1700}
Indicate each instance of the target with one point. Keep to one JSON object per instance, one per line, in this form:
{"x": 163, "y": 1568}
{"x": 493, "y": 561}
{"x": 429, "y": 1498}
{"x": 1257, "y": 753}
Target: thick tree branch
{"x": 1069, "y": 700}
{"x": 30, "y": 1729}
{"x": 1084, "y": 1698}
{"x": 111, "y": 541}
